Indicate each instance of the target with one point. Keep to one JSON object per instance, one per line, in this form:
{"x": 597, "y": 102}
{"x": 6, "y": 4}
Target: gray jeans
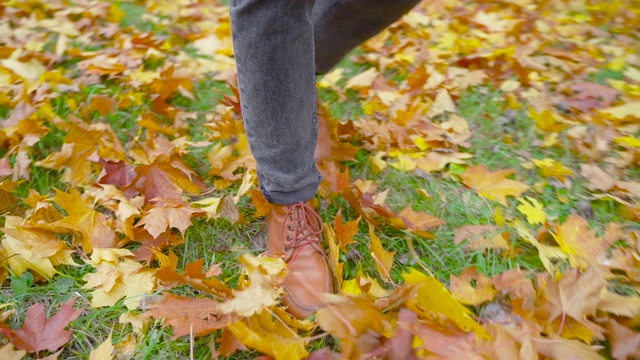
{"x": 280, "y": 46}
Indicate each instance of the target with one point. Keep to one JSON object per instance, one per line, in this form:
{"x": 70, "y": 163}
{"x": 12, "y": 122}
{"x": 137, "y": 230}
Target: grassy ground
{"x": 218, "y": 241}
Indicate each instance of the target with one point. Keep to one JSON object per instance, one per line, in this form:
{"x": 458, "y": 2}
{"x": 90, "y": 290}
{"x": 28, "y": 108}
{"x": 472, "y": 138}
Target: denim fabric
{"x": 279, "y": 46}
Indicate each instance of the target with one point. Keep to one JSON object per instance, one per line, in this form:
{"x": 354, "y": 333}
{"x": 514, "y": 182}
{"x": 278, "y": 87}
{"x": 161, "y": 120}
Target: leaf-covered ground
{"x": 482, "y": 202}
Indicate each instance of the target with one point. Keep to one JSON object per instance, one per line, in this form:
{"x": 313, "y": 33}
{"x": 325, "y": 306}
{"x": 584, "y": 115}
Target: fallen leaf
{"x": 104, "y": 351}
{"x": 442, "y": 103}
{"x": 383, "y": 259}
{"x": 118, "y": 277}
{"x": 575, "y": 295}
{"x": 269, "y": 336}
{"x": 493, "y": 185}
{"x": 345, "y": 231}
{"x": 580, "y": 243}
{"x": 39, "y": 333}
{"x": 83, "y": 218}
{"x": 362, "y": 80}
{"x": 533, "y": 210}
{"x": 624, "y": 113}
{"x": 463, "y": 290}
{"x": 625, "y": 342}
{"x": 550, "y": 167}
{"x": 436, "y": 302}
{"x": 186, "y": 316}
{"x": 9, "y": 352}
{"x": 545, "y": 252}
{"x": 480, "y": 237}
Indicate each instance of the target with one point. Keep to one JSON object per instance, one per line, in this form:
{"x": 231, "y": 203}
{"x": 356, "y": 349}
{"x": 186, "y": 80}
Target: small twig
{"x": 191, "y": 345}
{"x": 295, "y": 334}
{"x": 564, "y": 317}
{"x": 386, "y": 273}
{"x": 316, "y": 337}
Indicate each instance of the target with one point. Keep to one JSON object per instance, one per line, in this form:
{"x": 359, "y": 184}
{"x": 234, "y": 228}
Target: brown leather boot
{"x": 323, "y": 147}
{"x": 294, "y": 233}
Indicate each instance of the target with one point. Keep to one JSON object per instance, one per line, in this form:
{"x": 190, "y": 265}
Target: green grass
{"x": 219, "y": 242}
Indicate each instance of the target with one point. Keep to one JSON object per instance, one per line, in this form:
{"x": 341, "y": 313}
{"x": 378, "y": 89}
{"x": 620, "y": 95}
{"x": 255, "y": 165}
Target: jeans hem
{"x": 286, "y": 198}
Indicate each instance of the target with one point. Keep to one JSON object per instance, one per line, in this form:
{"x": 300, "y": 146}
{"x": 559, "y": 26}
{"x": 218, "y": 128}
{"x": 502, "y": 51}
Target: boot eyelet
{"x": 288, "y": 238}
{"x": 290, "y": 218}
{"x": 290, "y": 227}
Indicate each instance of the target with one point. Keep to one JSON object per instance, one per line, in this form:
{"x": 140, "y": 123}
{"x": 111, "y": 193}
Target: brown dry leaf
{"x": 493, "y": 185}
{"x": 229, "y": 343}
{"x": 463, "y": 290}
{"x": 102, "y": 104}
{"x": 189, "y": 316}
{"x": 349, "y": 318}
{"x": 260, "y": 203}
{"x": 9, "y": 352}
{"x": 39, "y": 333}
{"x": 515, "y": 283}
{"x": 575, "y": 295}
{"x": 194, "y": 276}
{"x": 625, "y": 342}
{"x": 418, "y": 222}
{"x": 442, "y": 103}
{"x": 562, "y": 349}
{"x": 481, "y": 237}
{"x": 446, "y": 343}
{"x": 345, "y": 231}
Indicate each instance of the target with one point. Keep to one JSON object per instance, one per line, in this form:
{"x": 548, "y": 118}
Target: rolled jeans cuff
{"x": 285, "y": 198}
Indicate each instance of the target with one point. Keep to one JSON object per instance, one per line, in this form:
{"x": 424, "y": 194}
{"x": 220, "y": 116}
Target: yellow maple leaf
{"x": 627, "y": 141}
{"x": 405, "y": 163}
{"x": 434, "y": 301}
{"x": 260, "y": 290}
{"x": 550, "y": 167}
{"x": 104, "y": 351}
{"x": 336, "y": 266}
{"x": 268, "y": 335}
{"x": 29, "y": 248}
{"x": 383, "y": 258}
{"x": 623, "y": 113}
{"x": 442, "y": 103}
{"x": 493, "y": 184}
{"x": 118, "y": 277}
{"x": 546, "y": 253}
{"x": 546, "y": 120}
{"x": 363, "y": 80}
{"x": 533, "y": 210}
{"x": 581, "y": 243}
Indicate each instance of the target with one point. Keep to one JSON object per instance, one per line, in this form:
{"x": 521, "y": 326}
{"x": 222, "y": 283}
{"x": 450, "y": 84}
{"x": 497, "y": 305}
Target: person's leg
{"x": 273, "y": 43}
{"x": 341, "y": 25}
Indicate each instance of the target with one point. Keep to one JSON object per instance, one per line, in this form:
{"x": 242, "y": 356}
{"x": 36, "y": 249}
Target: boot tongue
{"x": 307, "y": 225}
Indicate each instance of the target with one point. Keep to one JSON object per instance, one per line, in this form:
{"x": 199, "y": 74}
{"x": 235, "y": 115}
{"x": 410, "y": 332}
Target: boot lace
{"x": 306, "y": 225}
